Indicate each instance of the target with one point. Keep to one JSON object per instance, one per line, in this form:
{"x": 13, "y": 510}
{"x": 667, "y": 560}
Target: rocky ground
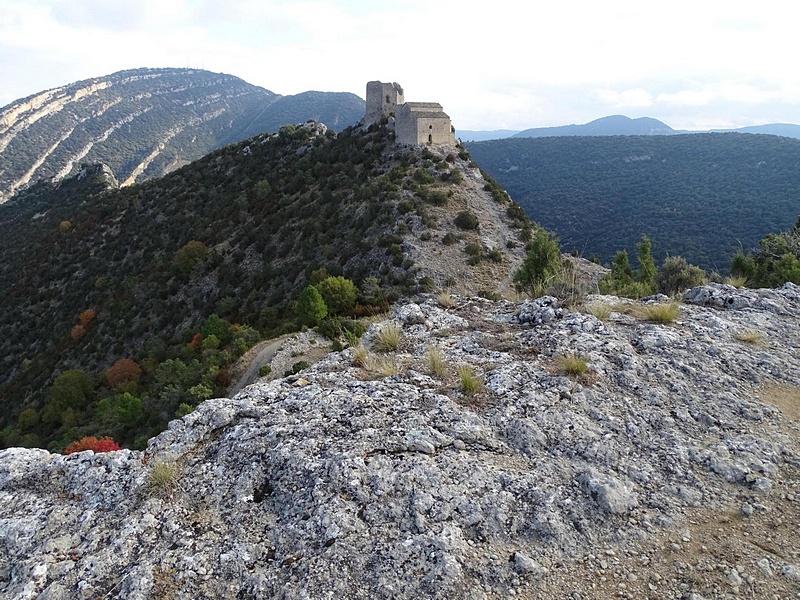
{"x": 668, "y": 468}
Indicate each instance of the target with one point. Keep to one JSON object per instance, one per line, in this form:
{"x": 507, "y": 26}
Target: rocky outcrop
{"x": 670, "y": 468}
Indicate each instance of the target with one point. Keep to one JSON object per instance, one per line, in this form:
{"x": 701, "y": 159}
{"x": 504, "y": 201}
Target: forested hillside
{"x": 702, "y": 196}
{"x": 177, "y": 276}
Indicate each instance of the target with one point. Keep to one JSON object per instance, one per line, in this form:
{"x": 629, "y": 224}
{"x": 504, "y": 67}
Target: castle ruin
{"x": 415, "y": 123}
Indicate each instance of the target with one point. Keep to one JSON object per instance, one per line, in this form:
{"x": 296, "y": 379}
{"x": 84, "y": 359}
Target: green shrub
{"x": 265, "y": 370}
{"x": 339, "y": 295}
{"x": 466, "y": 220}
{"x": 296, "y": 368}
{"x": 191, "y": 254}
{"x": 541, "y": 264}
{"x": 423, "y": 176}
{"x": 677, "y": 275}
{"x": 448, "y": 239}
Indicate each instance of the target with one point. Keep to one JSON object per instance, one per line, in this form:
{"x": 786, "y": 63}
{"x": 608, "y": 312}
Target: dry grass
{"x": 360, "y": 356}
{"x": 737, "y": 281}
{"x": 388, "y": 338}
{"x": 572, "y": 365}
{"x": 383, "y": 366}
{"x": 470, "y": 383}
{"x": 445, "y": 300}
{"x": 162, "y": 479}
{"x": 435, "y": 361}
{"x": 601, "y": 310}
{"x": 749, "y": 336}
{"x": 660, "y": 313}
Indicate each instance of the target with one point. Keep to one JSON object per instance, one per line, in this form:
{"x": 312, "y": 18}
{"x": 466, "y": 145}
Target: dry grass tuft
{"x": 435, "y": 361}
{"x": 737, "y": 281}
{"x": 601, "y": 310}
{"x": 749, "y": 336}
{"x": 470, "y": 383}
{"x": 445, "y": 300}
{"x": 162, "y": 479}
{"x": 360, "y": 356}
{"x": 388, "y": 338}
{"x": 660, "y": 313}
{"x": 572, "y": 365}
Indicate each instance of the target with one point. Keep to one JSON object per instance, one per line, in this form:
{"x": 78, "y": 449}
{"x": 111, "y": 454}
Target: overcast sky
{"x": 696, "y": 64}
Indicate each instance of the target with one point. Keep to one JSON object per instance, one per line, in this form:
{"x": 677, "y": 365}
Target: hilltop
{"x": 668, "y": 468}
{"x": 91, "y": 274}
{"x": 144, "y": 123}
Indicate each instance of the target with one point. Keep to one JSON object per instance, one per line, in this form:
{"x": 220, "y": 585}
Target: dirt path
{"x": 262, "y": 353}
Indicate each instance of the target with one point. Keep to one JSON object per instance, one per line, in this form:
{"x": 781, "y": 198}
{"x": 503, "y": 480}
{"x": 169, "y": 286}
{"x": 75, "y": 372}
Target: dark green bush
{"x": 466, "y": 220}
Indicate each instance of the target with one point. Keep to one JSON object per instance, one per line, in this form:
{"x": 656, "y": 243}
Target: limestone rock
{"x": 359, "y": 485}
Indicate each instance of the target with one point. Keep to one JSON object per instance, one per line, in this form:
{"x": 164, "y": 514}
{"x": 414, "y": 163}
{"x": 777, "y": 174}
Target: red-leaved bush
{"x": 103, "y": 444}
{"x": 122, "y": 371}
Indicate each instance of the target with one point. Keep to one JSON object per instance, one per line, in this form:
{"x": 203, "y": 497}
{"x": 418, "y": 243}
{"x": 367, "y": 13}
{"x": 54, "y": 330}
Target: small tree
{"x": 646, "y": 275}
{"x": 192, "y": 253}
{"x": 122, "y": 371}
{"x": 541, "y": 265}
{"x": 677, "y": 275}
{"x": 311, "y": 308}
{"x": 339, "y": 295}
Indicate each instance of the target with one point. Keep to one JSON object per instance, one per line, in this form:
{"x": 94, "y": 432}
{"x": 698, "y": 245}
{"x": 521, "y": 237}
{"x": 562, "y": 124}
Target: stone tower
{"x": 382, "y": 100}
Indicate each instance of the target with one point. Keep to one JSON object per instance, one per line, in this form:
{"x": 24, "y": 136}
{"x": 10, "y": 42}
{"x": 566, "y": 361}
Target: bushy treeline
{"x": 775, "y": 262}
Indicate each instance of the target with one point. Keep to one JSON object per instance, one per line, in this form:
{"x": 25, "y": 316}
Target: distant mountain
{"x": 781, "y": 129}
{"x": 465, "y": 135}
{"x": 702, "y": 196}
{"x": 144, "y": 123}
{"x": 614, "y": 125}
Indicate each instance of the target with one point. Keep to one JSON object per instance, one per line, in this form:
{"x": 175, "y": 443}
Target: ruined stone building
{"x": 414, "y": 122}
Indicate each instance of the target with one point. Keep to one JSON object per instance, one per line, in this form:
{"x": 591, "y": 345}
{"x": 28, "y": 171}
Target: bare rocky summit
{"x": 670, "y": 468}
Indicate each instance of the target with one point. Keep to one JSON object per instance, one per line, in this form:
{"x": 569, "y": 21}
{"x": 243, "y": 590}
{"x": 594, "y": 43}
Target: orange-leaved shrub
{"x": 122, "y": 371}
{"x": 103, "y": 444}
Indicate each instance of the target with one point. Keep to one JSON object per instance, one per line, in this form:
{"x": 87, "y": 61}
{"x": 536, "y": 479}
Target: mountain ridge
{"x": 621, "y": 125}
{"x": 146, "y": 122}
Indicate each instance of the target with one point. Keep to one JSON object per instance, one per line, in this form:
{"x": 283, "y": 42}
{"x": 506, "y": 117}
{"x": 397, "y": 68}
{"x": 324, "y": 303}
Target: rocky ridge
{"x": 670, "y": 469}
{"x": 144, "y": 123}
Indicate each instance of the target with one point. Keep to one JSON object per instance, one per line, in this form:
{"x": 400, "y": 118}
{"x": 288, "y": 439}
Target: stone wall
{"x": 423, "y": 123}
{"x": 382, "y": 100}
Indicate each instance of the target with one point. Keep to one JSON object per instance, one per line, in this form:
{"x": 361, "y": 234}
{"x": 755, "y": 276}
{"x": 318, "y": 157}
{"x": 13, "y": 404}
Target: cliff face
{"x": 671, "y": 468}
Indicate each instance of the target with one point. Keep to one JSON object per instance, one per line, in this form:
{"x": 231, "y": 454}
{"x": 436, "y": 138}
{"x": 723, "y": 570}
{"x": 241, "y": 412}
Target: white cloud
{"x": 512, "y": 63}
{"x": 633, "y": 98}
